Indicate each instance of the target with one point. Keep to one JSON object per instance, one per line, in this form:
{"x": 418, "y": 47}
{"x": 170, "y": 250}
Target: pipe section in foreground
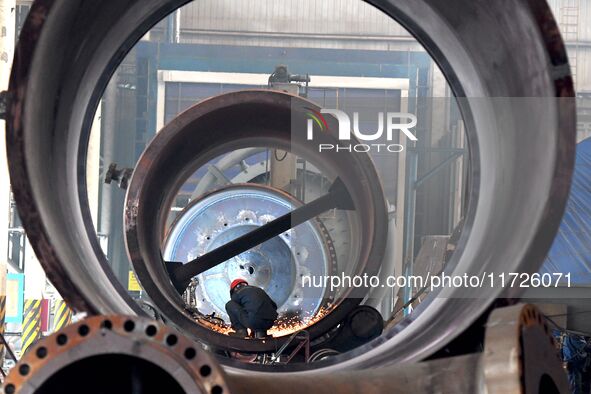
{"x": 116, "y": 354}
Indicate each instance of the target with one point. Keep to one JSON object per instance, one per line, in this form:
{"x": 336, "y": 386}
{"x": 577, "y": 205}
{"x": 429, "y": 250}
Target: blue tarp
{"x": 571, "y": 250}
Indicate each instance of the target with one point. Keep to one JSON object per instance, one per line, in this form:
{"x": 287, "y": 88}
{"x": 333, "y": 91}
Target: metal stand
{"x": 304, "y": 342}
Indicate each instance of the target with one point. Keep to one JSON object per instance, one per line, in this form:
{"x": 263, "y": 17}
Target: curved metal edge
{"x": 154, "y": 159}
{"x": 21, "y": 178}
{"x": 556, "y": 202}
{"x": 19, "y": 174}
{"x": 117, "y": 335}
{"x": 565, "y": 143}
{"x": 519, "y": 350}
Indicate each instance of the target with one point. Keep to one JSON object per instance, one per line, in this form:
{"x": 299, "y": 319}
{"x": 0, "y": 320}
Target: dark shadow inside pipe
{"x": 112, "y": 374}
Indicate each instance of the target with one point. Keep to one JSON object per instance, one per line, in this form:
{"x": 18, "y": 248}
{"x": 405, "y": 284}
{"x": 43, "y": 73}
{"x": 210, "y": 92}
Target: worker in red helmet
{"x": 250, "y": 307}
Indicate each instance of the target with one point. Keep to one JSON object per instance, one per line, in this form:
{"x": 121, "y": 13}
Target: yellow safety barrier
{"x": 62, "y": 315}
{"x": 31, "y": 324}
{"x": 2, "y": 319}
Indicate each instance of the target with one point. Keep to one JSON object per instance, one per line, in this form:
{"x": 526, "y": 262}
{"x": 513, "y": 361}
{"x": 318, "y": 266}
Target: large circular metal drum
{"x": 515, "y": 99}
{"x": 277, "y": 266}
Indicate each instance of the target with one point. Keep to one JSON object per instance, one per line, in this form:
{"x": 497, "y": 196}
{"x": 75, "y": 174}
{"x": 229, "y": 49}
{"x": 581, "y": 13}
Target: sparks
{"x": 284, "y": 326}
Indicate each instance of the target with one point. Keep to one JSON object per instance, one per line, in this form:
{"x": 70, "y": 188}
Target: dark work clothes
{"x": 250, "y": 307}
{"x": 575, "y": 351}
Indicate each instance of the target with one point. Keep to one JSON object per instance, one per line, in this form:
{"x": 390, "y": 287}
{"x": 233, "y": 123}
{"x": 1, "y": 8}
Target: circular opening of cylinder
{"x": 280, "y": 266}
{"x": 126, "y": 374}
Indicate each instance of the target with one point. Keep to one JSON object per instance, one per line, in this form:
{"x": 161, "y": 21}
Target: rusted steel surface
{"x": 243, "y": 119}
{"x": 145, "y": 350}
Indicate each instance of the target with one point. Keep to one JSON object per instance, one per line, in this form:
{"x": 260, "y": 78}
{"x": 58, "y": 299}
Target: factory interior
{"x": 288, "y": 196}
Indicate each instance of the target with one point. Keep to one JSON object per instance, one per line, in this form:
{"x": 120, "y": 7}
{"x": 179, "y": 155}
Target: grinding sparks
{"x": 284, "y": 325}
{"x": 287, "y": 326}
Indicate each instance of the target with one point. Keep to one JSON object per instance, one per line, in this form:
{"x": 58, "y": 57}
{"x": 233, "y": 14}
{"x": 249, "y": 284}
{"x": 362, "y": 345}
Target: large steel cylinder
{"x": 242, "y": 119}
{"x": 515, "y": 99}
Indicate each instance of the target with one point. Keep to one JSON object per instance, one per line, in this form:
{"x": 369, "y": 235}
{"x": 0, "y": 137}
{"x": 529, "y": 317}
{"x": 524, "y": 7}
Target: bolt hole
{"x": 41, "y": 352}
{"x": 217, "y": 390}
{"x": 24, "y": 369}
{"x": 171, "y": 340}
{"x": 250, "y": 270}
{"x": 10, "y": 389}
{"x": 62, "y": 339}
{"x": 151, "y": 330}
{"x": 205, "y": 370}
{"x": 128, "y": 326}
{"x": 225, "y": 224}
{"x": 83, "y": 330}
{"x": 107, "y": 324}
{"x": 190, "y": 353}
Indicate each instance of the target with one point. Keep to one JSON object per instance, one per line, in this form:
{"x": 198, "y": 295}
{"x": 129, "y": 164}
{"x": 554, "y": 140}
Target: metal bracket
{"x": 121, "y": 176}
{"x": 303, "y": 337}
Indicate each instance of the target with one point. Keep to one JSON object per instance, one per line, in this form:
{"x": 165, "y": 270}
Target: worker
{"x": 250, "y": 307}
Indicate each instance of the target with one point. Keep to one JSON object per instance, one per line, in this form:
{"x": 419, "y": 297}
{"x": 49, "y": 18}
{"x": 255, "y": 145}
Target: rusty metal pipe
{"x": 116, "y": 354}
